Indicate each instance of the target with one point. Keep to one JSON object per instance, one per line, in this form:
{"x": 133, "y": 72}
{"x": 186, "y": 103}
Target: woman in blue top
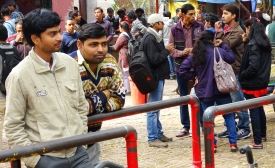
{"x": 199, "y": 67}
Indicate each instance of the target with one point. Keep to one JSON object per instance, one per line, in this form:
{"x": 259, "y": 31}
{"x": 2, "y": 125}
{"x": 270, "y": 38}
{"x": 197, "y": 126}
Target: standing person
{"x": 11, "y": 63}
{"x": 153, "y": 46}
{"x": 82, "y": 21}
{"x": 141, "y": 16}
{"x": 230, "y": 35}
{"x": 20, "y": 42}
{"x": 15, "y": 13}
{"x": 9, "y": 22}
{"x": 69, "y": 37}
{"x": 168, "y": 23}
{"x": 199, "y": 66}
{"x": 254, "y": 75}
{"x": 138, "y": 29}
{"x": 98, "y": 11}
{"x": 270, "y": 30}
{"x": 210, "y": 20}
{"x": 101, "y": 77}
{"x": 45, "y": 78}
{"x": 122, "y": 45}
{"x": 122, "y": 16}
{"x": 112, "y": 18}
{"x": 178, "y": 16}
{"x": 183, "y": 35}
{"x": 76, "y": 18}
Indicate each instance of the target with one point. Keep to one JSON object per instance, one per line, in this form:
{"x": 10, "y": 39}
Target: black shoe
{"x": 223, "y": 134}
{"x": 242, "y": 134}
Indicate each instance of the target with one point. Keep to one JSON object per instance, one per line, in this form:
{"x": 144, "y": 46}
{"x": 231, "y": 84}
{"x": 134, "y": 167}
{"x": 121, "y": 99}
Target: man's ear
{"x": 35, "y": 39}
{"x": 79, "y": 45}
{"x": 234, "y": 16}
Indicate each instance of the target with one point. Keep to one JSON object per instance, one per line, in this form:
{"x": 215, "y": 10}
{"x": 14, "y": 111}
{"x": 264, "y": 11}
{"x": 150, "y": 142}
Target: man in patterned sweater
{"x": 101, "y": 77}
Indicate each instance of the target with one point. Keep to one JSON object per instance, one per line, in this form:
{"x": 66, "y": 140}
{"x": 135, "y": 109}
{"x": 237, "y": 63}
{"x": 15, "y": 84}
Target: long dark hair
{"x": 257, "y": 32}
{"x": 199, "y": 50}
{"x": 124, "y": 25}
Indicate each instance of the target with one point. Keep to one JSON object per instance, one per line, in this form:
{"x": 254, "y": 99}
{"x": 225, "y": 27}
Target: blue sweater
{"x": 206, "y": 89}
{"x": 69, "y": 42}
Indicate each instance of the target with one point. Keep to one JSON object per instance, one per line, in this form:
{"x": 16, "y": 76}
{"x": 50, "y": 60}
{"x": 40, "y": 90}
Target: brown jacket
{"x": 234, "y": 40}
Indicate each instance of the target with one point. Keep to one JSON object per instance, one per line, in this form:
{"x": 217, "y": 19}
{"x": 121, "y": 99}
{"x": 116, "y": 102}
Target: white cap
{"x": 154, "y": 18}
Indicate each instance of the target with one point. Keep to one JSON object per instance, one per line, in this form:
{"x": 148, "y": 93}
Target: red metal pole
{"x": 131, "y": 150}
{"x": 196, "y": 145}
{"x": 157, "y": 6}
{"x": 209, "y": 144}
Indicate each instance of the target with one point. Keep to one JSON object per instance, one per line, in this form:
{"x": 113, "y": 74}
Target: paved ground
{"x": 179, "y": 152}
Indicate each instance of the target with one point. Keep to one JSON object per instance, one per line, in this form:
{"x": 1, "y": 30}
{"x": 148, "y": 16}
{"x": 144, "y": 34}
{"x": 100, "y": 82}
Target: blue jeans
{"x": 154, "y": 127}
{"x": 171, "y": 65}
{"x": 229, "y": 118}
{"x": 184, "y": 112}
{"x": 243, "y": 114}
{"x": 258, "y": 121}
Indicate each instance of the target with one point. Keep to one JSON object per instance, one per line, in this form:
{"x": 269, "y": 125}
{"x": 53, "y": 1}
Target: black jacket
{"x": 157, "y": 56}
{"x": 255, "y": 67}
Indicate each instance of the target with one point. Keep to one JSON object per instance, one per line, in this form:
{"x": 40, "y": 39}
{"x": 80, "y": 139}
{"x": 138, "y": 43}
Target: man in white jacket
{"x": 168, "y": 23}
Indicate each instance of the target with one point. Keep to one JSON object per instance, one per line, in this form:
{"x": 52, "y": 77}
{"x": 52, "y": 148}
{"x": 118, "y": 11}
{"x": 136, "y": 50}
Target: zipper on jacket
{"x": 63, "y": 106}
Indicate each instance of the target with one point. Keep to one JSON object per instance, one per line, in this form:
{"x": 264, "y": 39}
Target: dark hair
{"x": 178, "y": 9}
{"x": 101, "y": 10}
{"x": 139, "y": 10}
{"x": 3, "y": 33}
{"x": 121, "y": 10}
{"x": 257, "y": 32}
{"x": 18, "y": 21}
{"x": 167, "y": 14}
{"x": 91, "y": 30}
{"x": 110, "y": 10}
{"x": 132, "y": 15}
{"x": 232, "y": 8}
{"x": 5, "y": 11}
{"x": 73, "y": 14}
{"x": 212, "y": 18}
{"x": 75, "y": 8}
{"x": 199, "y": 50}
{"x": 38, "y": 21}
{"x": 124, "y": 25}
{"x": 186, "y": 7}
{"x": 67, "y": 19}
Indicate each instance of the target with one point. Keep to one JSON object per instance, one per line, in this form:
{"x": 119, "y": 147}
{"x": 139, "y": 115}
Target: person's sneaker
{"x": 223, "y": 134}
{"x": 242, "y": 134}
{"x": 158, "y": 143}
{"x": 256, "y": 146}
{"x": 264, "y": 139}
{"x": 166, "y": 139}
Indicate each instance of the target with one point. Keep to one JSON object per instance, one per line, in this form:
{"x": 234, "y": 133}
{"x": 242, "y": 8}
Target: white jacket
{"x": 168, "y": 23}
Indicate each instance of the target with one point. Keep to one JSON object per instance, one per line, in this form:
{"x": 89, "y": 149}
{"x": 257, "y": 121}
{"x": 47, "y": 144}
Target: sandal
{"x": 234, "y": 148}
{"x": 183, "y": 133}
{"x": 256, "y": 146}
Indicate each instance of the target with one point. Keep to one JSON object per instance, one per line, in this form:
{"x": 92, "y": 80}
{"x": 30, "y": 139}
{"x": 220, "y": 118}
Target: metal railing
{"x": 184, "y": 100}
{"x": 247, "y": 150}
{"x": 211, "y": 112}
{"x": 128, "y": 132}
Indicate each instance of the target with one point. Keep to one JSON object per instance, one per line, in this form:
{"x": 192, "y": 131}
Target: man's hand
{"x": 186, "y": 52}
{"x": 217, "y": 42}
{"x": 170, "y": 47}
{"x": 18, "y": 38}
{"x": 218, "y": 25}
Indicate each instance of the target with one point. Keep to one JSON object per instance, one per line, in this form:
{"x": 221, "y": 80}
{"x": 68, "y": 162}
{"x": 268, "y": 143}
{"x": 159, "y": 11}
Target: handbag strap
{"x": 215, "y": 61}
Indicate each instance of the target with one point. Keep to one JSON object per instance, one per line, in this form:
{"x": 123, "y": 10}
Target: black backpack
{"x": 133, "y": 48}
{"x": 141, "y": 72}
{"x": 10, "y": 58}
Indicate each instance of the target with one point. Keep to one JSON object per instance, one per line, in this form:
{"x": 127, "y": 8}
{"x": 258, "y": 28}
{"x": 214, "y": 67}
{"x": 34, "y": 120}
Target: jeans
{"x": 79, "y": 160}
{"x": 243, "y": 114}
{"x": 154, "y": 127}
{"x": 184, "y": 112}
{"x": 171, "y": 65}
{"x": 258, "y": 121}
{"x": 229, "y": 118}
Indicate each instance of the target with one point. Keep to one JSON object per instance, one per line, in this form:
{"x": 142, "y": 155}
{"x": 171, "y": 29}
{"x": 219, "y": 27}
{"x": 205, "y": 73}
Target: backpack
{"x": 224, "y": 75}
{"x": 133, "y": 47}
{"x": 10, "y": 58}
{"x": 141, "y": 72}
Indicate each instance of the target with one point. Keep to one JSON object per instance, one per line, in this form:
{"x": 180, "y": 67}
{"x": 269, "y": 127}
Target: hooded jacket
{"x": 168, "y": 23}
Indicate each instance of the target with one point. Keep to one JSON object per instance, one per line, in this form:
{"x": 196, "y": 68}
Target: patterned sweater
{"x": 109, "y": 77}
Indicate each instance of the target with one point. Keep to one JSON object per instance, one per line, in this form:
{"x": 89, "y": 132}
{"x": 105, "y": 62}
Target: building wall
{"x": 62, "y": 11}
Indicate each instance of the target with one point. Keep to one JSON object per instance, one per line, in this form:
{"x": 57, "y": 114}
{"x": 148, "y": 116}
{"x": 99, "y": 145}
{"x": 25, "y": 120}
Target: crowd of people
{"x": 63, "y": 78}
